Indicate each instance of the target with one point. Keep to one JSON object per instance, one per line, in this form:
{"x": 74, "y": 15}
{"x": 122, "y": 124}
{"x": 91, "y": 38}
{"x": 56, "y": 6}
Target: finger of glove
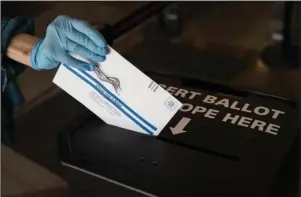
{"x": 68, "y": 60}
{"x": 86, "y": 42}
{"x": 88, "y": 30}
{"x": 82, "y": 51}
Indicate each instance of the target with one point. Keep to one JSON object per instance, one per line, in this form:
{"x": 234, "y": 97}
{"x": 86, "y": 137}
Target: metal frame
{"x": 288, "y": 45}
{"x": 286, "y": 52}
{"x": 112, "y": 32}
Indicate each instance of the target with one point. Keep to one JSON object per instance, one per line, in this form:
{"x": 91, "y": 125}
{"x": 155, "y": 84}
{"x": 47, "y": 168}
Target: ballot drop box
{"x": 224, "y": 141}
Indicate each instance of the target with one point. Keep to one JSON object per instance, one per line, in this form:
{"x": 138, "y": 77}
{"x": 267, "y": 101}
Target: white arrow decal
{"x": 179, "y": 128}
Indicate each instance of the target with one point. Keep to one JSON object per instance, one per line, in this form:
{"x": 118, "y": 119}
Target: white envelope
{"x": 120, "y": 94}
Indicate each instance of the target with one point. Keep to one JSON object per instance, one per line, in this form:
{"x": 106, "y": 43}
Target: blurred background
{"x": 253, "y": 45}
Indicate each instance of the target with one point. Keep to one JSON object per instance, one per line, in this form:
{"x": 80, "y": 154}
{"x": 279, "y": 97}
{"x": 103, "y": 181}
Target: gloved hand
{"x": 66, "y": 35}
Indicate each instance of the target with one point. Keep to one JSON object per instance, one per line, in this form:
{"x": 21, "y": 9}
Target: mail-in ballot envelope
{"x": 120, "y": 94}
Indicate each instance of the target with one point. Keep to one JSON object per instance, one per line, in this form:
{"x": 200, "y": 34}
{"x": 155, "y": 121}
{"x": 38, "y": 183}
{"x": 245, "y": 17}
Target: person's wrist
{"x": 34, "y": 55}
{"x": 20, "y": 47}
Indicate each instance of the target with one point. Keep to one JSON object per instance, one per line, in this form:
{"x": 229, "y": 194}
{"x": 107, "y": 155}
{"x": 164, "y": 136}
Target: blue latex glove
{"x": 66, "y": 35}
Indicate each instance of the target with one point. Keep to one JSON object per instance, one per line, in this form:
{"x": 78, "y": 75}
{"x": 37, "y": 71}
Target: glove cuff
{"x": 33, "y": 55}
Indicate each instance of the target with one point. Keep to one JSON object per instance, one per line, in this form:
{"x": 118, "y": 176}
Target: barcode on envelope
{"x": 153, "y": 86}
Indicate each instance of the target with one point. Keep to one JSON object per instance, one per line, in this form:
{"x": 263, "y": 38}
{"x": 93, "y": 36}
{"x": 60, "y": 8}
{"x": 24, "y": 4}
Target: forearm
{"x": 20, "y": 47}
